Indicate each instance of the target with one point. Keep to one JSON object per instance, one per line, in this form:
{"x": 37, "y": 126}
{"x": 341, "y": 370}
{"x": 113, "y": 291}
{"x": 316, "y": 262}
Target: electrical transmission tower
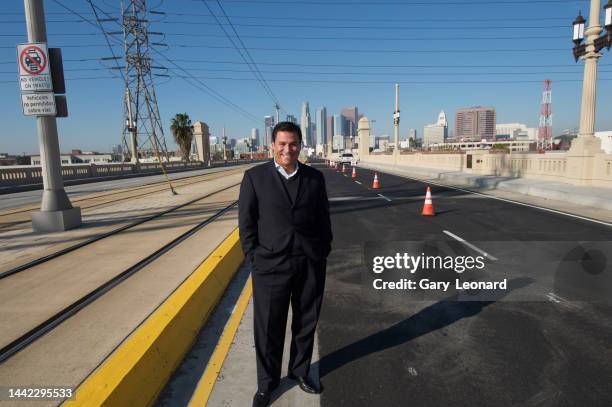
{"x": 545, "y": 128}
{"x": 143, "y": 134}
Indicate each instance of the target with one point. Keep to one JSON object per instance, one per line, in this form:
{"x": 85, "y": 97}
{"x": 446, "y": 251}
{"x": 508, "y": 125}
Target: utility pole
{"x": 396, "y": 121}
{"x": 56, "y": 212}
{"x": 224, "y": 145}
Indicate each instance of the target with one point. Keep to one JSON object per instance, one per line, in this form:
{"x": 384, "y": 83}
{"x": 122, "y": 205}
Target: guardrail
{"x": 18, "y": 175}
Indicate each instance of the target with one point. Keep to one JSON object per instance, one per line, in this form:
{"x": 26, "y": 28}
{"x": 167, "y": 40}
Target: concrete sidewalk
{"x": 237, "y": 380}
{"x": 591, "y": 197}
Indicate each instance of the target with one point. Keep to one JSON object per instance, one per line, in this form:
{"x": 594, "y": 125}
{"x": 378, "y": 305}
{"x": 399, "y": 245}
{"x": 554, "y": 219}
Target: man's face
{"x": 286, "y": 148}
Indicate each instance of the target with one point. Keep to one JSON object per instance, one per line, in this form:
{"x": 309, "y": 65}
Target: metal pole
{"x": 277, "y": 107}
{"x": 56, "y": 212}
{"x": 396, "y": 120}
{"x": 132, "y": 128}
{"x": 224, "y": 145}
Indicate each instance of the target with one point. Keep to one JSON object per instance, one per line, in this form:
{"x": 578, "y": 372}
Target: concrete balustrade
{"x": 551, "y": 166}
{"x": 578, "y": 166}
{"x": 32, "y": 174}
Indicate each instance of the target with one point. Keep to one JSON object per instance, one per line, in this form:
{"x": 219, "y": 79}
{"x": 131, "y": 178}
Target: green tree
{"x": 182, "y": 130}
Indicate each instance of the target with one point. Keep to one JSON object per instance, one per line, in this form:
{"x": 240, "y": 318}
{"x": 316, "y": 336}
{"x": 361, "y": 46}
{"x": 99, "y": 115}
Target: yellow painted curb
{"x": 138, "y": 370}
{"x": 207, "y": 382}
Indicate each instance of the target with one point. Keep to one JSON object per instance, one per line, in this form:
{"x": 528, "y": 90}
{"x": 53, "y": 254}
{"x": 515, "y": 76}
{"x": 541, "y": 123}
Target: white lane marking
{"x": 571, "y": 215}
{"x": 552, "y": 297}
{"x": 358, "y": 182}
{"x": 353, "y": 198}
{"x": 382, "y": 196}
{"x": 471, "y": 246}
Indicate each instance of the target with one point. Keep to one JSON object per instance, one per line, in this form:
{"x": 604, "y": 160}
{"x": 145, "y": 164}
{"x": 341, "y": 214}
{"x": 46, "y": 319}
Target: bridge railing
{"x": 32, "y": 174}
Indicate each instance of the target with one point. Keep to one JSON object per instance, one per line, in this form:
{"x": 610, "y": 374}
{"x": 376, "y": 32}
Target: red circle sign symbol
{"x": 33, "y": 60}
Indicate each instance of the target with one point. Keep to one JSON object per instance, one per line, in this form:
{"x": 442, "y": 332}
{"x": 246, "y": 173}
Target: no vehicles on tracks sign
{"x": 34, "y": 73}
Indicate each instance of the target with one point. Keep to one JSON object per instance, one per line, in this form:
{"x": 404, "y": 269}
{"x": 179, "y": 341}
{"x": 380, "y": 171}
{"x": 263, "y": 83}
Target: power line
{"x": 249, "y": 61}
{"x": 346, "y": 82}
{"x": 323, "y": 18}
{"x": 336, "y": 38}
{"x": 438, "y": 82}
{"x": 369, "y": 27}
{"x": 385, "y": 20}
{"x": 407, "y": 3}
{"x": 106, "y": 39}
{"x": 343, "y": 38}
{"x": 360, "y": 50}
{"x": 446, "y": 74}
{"x": 275, "y": 99}
{"x": 445, "y": 66}
{"x": 381, "y": 51}
{"x": 47, "y": 21}
{"x": 204, "y": 88}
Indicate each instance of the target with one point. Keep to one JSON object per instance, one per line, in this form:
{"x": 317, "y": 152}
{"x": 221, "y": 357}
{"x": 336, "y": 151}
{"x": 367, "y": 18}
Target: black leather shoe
{"x": 306, "y": 384}
{"x": 261, "y": 399}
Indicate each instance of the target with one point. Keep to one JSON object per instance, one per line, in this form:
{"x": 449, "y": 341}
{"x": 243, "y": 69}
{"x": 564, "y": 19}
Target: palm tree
{"x": 182, "y": 130}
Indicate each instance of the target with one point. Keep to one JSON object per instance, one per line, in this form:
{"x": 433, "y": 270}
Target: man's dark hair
{"x": 287, "y": 126}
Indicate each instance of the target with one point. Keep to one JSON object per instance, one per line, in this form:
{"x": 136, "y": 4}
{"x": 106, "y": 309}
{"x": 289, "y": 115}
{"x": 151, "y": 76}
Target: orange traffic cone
{"x": 375, "y": 184}
{"x": 354, "y": 174}
{"x": 428, "y": 209}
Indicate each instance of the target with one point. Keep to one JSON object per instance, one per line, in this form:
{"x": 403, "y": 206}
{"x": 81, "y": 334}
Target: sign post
{"x": 37, "y": 99}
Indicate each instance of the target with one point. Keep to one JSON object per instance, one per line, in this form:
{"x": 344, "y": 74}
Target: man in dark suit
{"x": 285, "y": 231}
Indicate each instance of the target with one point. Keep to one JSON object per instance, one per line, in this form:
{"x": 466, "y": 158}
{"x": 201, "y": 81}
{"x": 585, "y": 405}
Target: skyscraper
{"x": 321, "y": 121}
{"x": 351, "y": 118}
{"x": 291, "y": 118}
{"x": 268, "y": 127}
{"x": 305, "y": 125}
{"x": 475, "y": 123}
{"x": 329, "y": 128}
{"x": 339, "y": 134}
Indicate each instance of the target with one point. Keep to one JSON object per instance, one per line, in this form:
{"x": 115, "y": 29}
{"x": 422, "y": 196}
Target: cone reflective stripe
{"x": 375, "y": 185}
{"x": 354, "y": 174}
{"x": 428, "y": 209}
{"x": 343, "y": 168}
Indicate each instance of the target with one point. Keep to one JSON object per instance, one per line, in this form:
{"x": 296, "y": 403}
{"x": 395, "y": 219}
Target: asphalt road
{"x": 545, "y": 341}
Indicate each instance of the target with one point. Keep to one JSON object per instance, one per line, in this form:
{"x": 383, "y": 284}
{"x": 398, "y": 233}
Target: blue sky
{"x": 445, "y": 54}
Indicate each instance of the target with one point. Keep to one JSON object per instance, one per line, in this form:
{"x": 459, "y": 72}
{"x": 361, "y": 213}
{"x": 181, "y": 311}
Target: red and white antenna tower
{"x": 545, "y": 128}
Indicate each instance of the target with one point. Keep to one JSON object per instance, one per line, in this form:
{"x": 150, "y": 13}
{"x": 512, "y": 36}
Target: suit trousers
{"x": 299, "y": 281}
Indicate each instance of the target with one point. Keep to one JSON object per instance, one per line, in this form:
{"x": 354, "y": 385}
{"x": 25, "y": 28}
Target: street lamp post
{"x": 372, "y": 133}
{"x": 586, "y": 142}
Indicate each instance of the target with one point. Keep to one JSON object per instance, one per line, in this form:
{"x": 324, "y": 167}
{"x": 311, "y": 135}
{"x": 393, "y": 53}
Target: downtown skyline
{"x": 300, "y": 65}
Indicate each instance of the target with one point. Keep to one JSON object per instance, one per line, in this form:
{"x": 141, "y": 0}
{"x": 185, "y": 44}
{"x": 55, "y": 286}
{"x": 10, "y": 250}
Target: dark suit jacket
{"x": 271, "y": 225}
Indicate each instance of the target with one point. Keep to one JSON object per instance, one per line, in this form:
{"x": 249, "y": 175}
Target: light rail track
{"x": 33, "y": 334}
{"x": 111, "y": 197}
{"x": 105, "y": 235}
